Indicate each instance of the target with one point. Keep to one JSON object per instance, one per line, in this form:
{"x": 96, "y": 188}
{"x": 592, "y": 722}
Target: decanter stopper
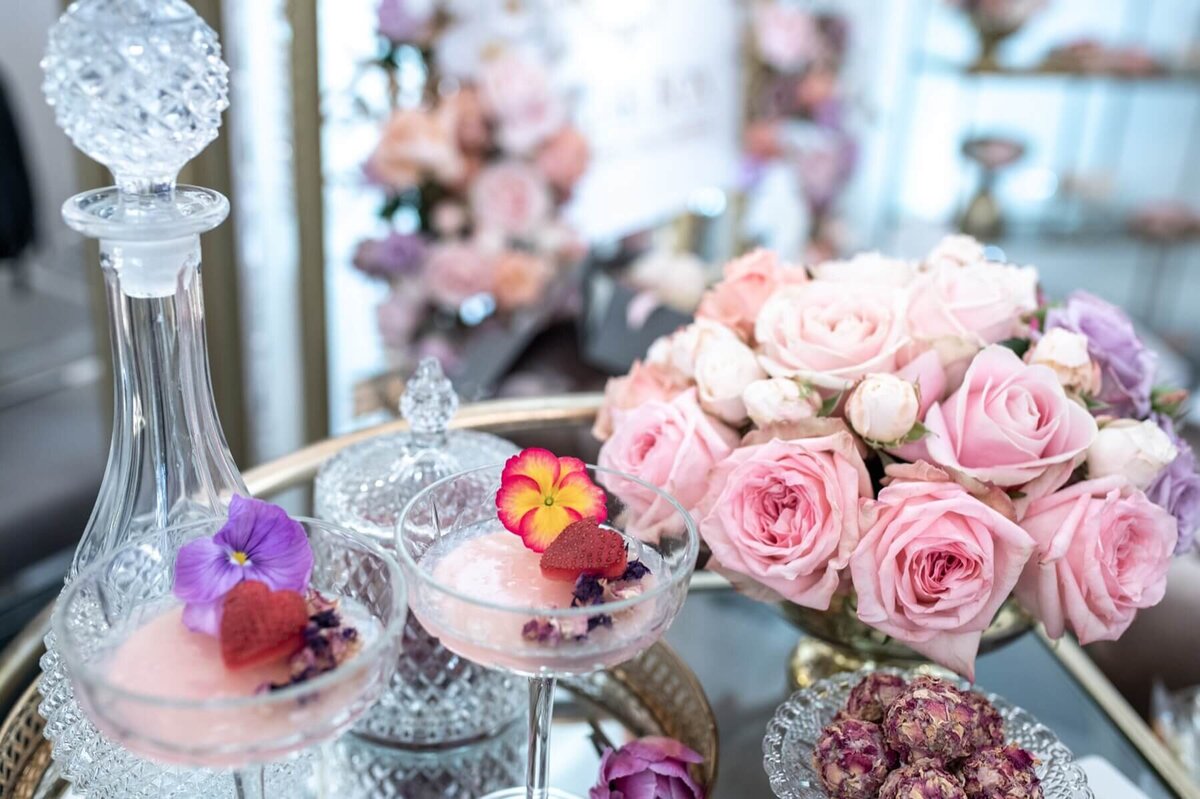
{"x": 138, "y": 85}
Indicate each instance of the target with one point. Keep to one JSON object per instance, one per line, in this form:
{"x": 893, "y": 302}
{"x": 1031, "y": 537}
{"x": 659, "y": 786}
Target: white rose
{"x": 1067, "y": 354}
{"x": 867, "y": 267}
{"x": 724, "y": 367}
{"x": 778, "y": 400}
{"x": 955, "y": 250}
{"x": 1136, "y": 450}
{"x": 678, "y": 279}
{"x": 883, "y": 408}
{"x": 678, "y": 352}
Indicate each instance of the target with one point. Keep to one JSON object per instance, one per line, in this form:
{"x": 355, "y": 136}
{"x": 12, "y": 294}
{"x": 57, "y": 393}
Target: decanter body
{"x": 139, "y": 85}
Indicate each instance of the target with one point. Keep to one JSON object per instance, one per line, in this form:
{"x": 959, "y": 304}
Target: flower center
{"x": 549, "y": 500}
{"x": 239, "y": 558}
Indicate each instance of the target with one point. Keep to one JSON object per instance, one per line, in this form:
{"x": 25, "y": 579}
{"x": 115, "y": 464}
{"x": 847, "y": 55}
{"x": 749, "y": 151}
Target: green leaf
{"x": 830, "y": 405}
{"x": 1018, "y": 345}
{"x": 918, "y": 432}
{"x": 1169, "y": 401}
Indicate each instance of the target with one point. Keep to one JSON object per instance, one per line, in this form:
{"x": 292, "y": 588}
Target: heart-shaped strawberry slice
{"x": 260, "y": 626}
{"x": 584, "y": 547}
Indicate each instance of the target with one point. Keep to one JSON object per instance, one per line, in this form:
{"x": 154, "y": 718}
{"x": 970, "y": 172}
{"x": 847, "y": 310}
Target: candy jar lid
{"x": 365, "y": 486}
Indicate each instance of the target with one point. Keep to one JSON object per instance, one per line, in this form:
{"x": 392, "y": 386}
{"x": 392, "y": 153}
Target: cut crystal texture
{"x": 435, "y": 697}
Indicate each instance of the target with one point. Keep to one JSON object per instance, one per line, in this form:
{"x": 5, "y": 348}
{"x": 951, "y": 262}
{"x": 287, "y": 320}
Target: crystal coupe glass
{"x": 118, "y": 594}
{"x": 461, "y": 508}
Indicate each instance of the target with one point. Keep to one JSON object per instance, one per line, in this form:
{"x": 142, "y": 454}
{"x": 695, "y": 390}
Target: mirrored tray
{"x": 653, "y": 694}
{"x": 792, "y": 734}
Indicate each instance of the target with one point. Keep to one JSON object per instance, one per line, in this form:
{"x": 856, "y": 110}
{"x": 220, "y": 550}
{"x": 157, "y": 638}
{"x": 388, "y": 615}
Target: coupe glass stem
{"x": 541, "y": 711}
{"x": 248, "y": 783}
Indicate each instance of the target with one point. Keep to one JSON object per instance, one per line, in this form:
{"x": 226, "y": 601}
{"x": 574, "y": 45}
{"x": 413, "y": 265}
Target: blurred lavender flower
{"x": 402, "y": 21}
{"x": 1126, "y": 365}
{"x": 395, "y": 255}
{"x": 1177, "y": 488}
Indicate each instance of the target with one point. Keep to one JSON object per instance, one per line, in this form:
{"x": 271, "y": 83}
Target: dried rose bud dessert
{"x": 852, "y": 759}
{"x": 931, "y": 719}
{"x": 924, "y": 780}
{"x": 870, "y": 699}
{"x": 1001, "y": 772}
{"x": 989, "y": 729}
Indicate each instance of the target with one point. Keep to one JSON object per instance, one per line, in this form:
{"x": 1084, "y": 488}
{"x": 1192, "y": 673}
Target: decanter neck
{"x": 168, "y": 461}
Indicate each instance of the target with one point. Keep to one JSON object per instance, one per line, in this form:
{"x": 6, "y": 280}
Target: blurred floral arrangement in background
{"x": 475, "y": 173}
{"x": 796, "y": 127}
{"x": 923, "y": 439}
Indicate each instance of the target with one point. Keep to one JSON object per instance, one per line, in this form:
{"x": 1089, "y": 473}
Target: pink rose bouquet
{"x": 474, "y": 178}
{"x": 926, "y": 435}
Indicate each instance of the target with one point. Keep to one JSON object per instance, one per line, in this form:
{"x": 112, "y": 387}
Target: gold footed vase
{"x": 835, "y": 641}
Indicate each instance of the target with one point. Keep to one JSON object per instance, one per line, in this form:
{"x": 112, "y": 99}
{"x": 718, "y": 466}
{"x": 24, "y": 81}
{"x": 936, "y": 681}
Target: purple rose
{"x": 1127, "y": 367}
{"x": 1177, "y": 488}
{"x": 648, "y": 768}
{"x": 401, "y": 21}
{"x": 395, "y": 255}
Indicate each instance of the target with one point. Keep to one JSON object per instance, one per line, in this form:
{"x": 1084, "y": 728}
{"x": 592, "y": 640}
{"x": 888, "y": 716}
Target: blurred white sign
{"x": 658, "y": 98}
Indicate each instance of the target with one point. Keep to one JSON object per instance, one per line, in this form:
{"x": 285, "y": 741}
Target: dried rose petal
{"x": 852, "y": 759}
{"x": 922, "y": 780}
{"x": 931, "y": 718}
{"x": 1001, "y": 772}
{"x": 870, "y": 699}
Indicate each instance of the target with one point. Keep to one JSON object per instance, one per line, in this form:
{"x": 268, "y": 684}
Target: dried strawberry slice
{"x": 260, "y": 626}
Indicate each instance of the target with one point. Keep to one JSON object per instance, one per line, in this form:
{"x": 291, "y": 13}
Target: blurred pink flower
{"x": 455, "y": 271}
{"x": 747, "y": 283}
{"x": 645, "y": 382}
{"x": 787, "y": 36}
{"x": 470, "y": 119}
{"x": 510, "y": 197}
{"x": 517, "y": 90}
{"x": 399, "y": 315}
{"x": 415, "y": 143}
{"x": 564, "y": 158}
{"x": 519, "y": 279}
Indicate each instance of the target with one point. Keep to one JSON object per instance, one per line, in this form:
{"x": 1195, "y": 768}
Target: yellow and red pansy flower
{"x": 541, "y": 493}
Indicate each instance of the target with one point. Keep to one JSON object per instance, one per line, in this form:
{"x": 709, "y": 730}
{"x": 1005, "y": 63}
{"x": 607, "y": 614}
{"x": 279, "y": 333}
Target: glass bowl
{"x": 793, "y": 731}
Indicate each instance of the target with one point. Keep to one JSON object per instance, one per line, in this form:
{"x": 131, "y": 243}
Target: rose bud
{"x": 1067, "y": 354}
{"x": 923, "y": 780}
{"x": 930, "y": 719}
{"x": 852, "y": 759}
{"x": 870, "y": 699}
{"x": 779, "y": 400}
{"x": 724, "y": 367}
{"x": 883, "y": 408}
{"x": 1135, "y": 450}
{"x": 1006, "y": 771}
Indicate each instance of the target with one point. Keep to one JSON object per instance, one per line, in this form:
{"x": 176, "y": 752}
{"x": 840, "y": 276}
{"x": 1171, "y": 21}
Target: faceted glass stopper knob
{"x": 429, "y": 401}
{"x": 138, "y": 85}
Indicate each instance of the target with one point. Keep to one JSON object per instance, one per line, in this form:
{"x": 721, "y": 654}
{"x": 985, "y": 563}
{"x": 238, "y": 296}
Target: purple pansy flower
{"x": 259, "y": 542}
{"x": 1125, "y": 363}
{"x": 648, "y": 768}
{"x": 1177, "y": 488}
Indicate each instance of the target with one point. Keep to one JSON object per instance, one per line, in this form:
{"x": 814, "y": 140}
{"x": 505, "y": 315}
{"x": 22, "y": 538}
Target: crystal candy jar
{"x": 435, "y": 698}
{"x": 139, "y": 85}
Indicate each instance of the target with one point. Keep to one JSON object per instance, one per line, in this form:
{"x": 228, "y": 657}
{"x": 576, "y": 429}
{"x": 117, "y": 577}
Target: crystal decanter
{"x": 139, "y": 85}
{"x": 435, "y": 698}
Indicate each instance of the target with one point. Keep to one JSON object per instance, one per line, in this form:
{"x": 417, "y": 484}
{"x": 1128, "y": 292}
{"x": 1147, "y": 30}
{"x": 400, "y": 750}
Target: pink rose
{"x": 454, "y": 271}
{"x": 977, "y": 303}
{"x": 517, "y": 90}
{"x": 414, "y": 144}
{"x": 933, "y": 567}
{"x": 1010, "y": 424}
{"x": 672, "y": 445}
{"x": 785, "y": 514}
{"x": 510, "y": 197}
{"x": 1103, "y": 550}
{"x": 787, "y": 36}
{"x": 564, "y": 158}
{"x": 831, "y": 334}
{"x": 644, "y": 383}
{"x": 519, "y": 279}
{"x": 465, "y": 108}
{"x": 748, "y": 282}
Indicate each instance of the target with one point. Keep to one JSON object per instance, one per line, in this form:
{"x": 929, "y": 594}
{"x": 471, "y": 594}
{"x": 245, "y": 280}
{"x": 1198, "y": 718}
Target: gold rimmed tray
{"x": 653, "y": 694}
